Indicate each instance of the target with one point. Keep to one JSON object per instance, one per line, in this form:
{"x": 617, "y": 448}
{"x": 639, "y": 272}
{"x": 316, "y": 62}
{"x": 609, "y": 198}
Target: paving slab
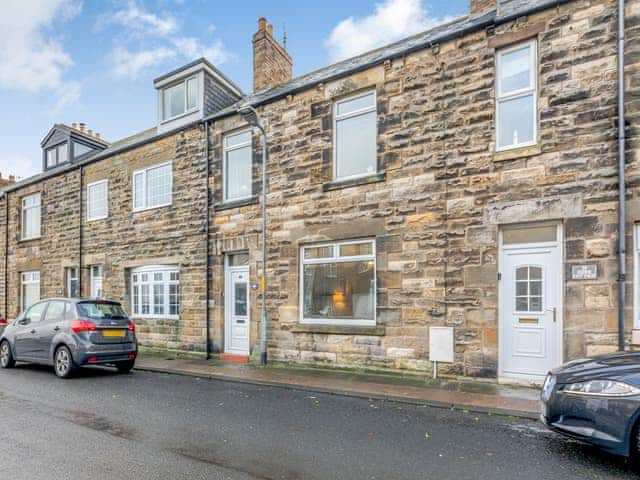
{"x": 464, "y": 395}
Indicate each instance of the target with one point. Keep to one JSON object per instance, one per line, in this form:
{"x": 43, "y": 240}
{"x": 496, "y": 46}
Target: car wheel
{"x": 125, "y": 367}
{"x": 6, "y": 357}
{"x": 63, "y": 362}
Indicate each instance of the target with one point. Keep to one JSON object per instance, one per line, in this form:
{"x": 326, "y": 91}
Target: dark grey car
{"x": 69, "y": 333}
{"x": 596, "y": 400}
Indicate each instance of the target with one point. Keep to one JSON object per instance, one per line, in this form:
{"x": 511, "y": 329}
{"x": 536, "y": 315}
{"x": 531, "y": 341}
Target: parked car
{"x": 69, "y": 333}
{"x": 596, "y": 401}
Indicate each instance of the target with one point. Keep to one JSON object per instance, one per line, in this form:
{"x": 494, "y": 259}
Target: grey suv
{"x": 69, "y": 333}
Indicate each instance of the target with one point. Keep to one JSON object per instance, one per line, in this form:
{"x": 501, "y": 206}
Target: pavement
{"x": 470, "y": 395}
{"x": 104, "y": 425}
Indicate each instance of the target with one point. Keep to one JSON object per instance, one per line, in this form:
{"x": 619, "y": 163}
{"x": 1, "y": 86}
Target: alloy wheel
{"x": 63, "y": 361}
{"x": 4, "y": 354}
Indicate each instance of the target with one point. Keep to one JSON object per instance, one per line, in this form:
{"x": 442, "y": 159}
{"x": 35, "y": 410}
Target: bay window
{"x": 155, "y": 292}
{"x": 516, "y": 97}
{"x": 338, "y": 283}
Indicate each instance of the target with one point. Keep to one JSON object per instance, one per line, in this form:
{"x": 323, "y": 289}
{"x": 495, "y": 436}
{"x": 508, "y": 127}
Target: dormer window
{"x": 80, "y": 149}
{"x": 57, "y": 155}
{"x": 180, "y": 98}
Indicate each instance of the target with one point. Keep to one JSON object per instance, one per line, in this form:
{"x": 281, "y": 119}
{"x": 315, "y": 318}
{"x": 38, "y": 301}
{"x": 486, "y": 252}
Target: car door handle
{"x": 56, "y": 328}
{"x": 33, "y": 331}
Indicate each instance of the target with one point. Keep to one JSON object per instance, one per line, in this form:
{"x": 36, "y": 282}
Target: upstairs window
{"x": 152, "y": 187}
{"x": 180, "y": 98}
{"x": 355, "y": 136}
{"x": 56, "y": 155}
{"x": 237, "y": 166}
{"x": 516, "y": 116}
{"x": 80, "y": 149}
{"x": 97, "y": 200}
{"x": 339, "y": 283}
{"x": 31, "y": 217}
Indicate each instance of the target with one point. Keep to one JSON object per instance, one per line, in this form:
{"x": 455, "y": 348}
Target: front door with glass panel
{"x": 530, "y": 301}
{"x": 237, "y": 306}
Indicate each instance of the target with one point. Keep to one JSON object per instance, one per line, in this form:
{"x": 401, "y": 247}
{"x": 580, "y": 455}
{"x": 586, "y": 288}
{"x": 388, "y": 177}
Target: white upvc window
{"x": 73, "y": 290}
{"x": 355, "y": 132}
{"x": 338, "y": 283}
{"x": 29, "y": 289}
{"x": 155, "y": 292}
{"x": 180, "y": 99}
{"x": 516, "y": 96}
{"x": 31, "y": 216}
{"x": 98, "y": 200}
{"x": 96, "y": 281}
{"x": 237, "y": 165}
{"x": 57, "y": 155}
{"x": 152, "y": 187}
{"x": 636, "y": 277}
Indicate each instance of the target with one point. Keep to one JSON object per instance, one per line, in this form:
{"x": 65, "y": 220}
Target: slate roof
{"x": 508, "y": 10}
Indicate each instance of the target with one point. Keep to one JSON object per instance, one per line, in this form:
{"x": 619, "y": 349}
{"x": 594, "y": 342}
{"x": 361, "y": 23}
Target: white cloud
{"x": 21, "y": 166}
{"x": 148, "y": 39}
{"x": 390, "y": 21}
{"x": 141, "y": 22}
{"x": 130, "y": 64}
{"x": 32, "y": 59}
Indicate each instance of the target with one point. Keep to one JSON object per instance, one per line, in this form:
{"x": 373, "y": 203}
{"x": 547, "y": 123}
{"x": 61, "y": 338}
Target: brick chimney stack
{"x": 271, "y": 62}
{"x": 482, "y": 6}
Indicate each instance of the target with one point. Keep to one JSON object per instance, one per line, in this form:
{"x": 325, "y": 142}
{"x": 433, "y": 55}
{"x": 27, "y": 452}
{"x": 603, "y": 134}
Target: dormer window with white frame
{"x": 180, "y": 99}
{"x": 516, "y": 96}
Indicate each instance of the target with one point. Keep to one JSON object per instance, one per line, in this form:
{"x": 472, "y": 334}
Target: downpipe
{"x": 622, "y": 232}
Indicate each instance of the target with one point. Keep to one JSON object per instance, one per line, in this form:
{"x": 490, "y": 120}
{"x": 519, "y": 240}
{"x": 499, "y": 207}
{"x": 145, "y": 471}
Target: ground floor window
{"x": 338, "y": 283}
{"x": 72, "y": 283}
{"x": 155, "y": 292}
{"x": 96, "y": 281}
{"x": 29, "y": 289}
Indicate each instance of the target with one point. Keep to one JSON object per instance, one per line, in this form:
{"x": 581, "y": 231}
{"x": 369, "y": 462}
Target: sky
{"x": 94, "y": 61}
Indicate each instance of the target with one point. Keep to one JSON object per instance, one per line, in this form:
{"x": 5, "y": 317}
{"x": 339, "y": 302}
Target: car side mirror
{"x": 25, "y": 321}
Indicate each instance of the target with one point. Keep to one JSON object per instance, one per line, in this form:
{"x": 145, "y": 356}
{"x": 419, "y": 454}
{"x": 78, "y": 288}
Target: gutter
{"x": 207, "y": 242}
{"x": 622, "y": 243}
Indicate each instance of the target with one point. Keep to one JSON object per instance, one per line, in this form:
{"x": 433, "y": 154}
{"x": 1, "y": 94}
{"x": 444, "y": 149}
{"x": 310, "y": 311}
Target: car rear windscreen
{"x": 101, "y": 310}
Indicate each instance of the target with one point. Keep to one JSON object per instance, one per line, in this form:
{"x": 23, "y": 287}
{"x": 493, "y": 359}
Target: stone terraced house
{"x": 453, "y": 194}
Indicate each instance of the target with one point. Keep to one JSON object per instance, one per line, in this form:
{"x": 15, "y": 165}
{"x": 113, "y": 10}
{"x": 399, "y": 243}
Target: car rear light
{"x": 3, "y": 321}
{"x": 83, "y": 326}
{"x": 132, "y": 356}
{"x": 132, "y": 327}
{"x": 92, "y": 359}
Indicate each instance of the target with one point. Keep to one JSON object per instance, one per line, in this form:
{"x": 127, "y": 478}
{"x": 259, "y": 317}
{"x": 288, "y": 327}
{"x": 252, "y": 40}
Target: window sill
{"x": 252, "y": 200}
{"x": 95, "y": 219}
{"x": 30, "y": 239}
{"x": 374, "y": 330}
{"x": 177, "y": 117}
{"x": 146, "y": 209}
{"x": 352, "y": 182}
{"x": 518, "y": 152}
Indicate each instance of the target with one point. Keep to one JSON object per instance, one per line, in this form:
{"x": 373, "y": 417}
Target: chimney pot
{"x": 262, "y": 24}
{"x": 90, "y": 132}
{"x": 82, "y": 125}
{"x": 270, "y": 29}
{"x": 74, "y": 125}
{"x": 97, "y": 135}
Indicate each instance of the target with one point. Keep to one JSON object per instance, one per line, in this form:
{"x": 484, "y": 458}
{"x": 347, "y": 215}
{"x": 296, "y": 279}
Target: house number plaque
{"x": 584, "y": 272}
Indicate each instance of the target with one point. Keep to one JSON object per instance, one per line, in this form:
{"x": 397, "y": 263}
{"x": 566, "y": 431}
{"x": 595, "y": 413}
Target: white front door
{"x": 530, "y": 302}
{"x": 237, "y": 310}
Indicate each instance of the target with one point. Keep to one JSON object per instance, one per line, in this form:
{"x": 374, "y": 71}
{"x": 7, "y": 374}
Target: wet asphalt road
{"x": 102, "y": 425}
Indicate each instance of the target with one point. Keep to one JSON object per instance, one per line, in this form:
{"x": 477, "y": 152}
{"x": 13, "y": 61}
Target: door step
{"x": 234, "y": 358}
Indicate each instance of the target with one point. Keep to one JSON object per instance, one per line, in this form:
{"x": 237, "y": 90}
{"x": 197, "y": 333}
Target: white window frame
{"x": 167, "y": 270}
{"x": 226, "y": 150}
{"x": 106, "y": 199}
{"x": 93, "y": 278}
{"x": 25, "y": 211}
{"x": 70, "y": 278}
{"x": 23, "y": 282}
{"x": 144, "y": 173}
{"x": 187, "y": 111}
{"x": 636, "y": 279}
{"x": 337, "y": 118}
{"x": 337, "y": 258}
{"x": 523, "y": 92}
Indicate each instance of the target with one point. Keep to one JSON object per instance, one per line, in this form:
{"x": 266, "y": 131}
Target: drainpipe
{"x": 206, "y": 240}
{"x": 6, "y": 255}
{"x": 80, "y": 236}
{"x": 622, "y": 247}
